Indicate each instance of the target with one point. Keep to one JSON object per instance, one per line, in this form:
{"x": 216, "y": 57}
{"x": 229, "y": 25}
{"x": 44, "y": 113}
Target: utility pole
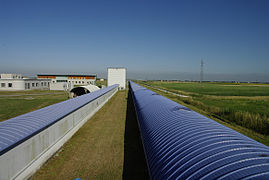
{"x": 202, "y": 72}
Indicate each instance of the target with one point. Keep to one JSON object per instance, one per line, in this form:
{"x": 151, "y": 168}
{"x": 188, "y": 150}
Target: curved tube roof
{"x": 17, "y": 130}
{"x": 182, "y": 144}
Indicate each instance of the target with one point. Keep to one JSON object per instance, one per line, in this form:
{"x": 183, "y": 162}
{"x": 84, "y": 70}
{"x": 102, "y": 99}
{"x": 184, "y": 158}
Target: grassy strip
{"x": 196, "y": 106}
{"x": 27, "y": 92}
{"x": 247, "y": 111}
{"x": 14, "y": 106}
{"x": 96, "y": 151}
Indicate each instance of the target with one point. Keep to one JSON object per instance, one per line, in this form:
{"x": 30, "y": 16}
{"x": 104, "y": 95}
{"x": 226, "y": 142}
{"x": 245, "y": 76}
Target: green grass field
{"x": 15, "y": 103}
{"x": 216, "y": 89}
{"x": 100, "y": 83}
{"x": 246, "y": 105}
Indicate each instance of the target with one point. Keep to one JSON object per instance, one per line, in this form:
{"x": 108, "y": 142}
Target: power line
{"x": 202, "y": 71}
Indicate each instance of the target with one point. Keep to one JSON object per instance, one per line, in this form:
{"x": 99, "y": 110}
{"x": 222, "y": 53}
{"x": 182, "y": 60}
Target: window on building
{"x": 76, "y": 82}
{"x": 61, "y": 80}
{"x": 27, "y": 85}
{"x": 3, "y": 84}
{"x": 41, "y": 83}
{"x": 82, "y": 82}
{"x": 9, "y": 84}
{"x": 79, "y": 82}
{"x": 33, "y": 84}
{"x": 36, "y": 84}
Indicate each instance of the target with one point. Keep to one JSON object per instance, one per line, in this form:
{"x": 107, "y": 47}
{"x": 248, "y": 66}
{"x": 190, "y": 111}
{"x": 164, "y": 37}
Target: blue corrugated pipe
{"x": 17, "y": 130}
{"x": 182, "y": 144}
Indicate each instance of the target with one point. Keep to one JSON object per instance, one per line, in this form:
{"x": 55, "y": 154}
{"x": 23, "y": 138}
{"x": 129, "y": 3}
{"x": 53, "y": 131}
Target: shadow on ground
{"x": 135, "y": 166}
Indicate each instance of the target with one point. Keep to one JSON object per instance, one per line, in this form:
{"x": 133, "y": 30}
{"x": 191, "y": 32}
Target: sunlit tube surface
{"x": 182, "y": 144}
{"x": 17, "y": 130}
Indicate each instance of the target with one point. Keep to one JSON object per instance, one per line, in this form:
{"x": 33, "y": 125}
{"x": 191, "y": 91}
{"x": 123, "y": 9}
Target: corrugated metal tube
{"x": 182, "y": 144}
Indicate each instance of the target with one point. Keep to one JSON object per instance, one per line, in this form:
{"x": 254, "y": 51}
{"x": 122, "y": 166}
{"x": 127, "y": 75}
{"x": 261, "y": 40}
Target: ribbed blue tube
{"x": 182, "y": 144}
{"x": 16, "y": 130}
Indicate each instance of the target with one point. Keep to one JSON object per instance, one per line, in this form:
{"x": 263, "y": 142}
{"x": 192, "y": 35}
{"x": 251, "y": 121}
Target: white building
{"x": 75, "y": 79}
{"x": 23, "y": 84}
{"x": 60, "y": 86}
{"x": 10, "y": 76}
{"x": 116, "y": 76}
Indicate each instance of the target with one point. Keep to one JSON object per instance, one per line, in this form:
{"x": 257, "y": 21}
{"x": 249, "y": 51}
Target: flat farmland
{"x": 243, "y": 104}
{"x": 217, "y": 89}
{"x": 15, "y": 103}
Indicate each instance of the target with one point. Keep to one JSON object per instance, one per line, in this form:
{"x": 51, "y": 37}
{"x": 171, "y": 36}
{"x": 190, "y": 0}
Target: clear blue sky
{"x": 152, "y": 39}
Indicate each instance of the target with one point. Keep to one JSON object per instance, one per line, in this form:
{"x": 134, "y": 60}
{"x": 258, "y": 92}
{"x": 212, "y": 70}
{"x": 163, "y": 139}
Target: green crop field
{"x": 246, "y": 105}
{"x": 15, "y": 103}
{"x": 217, "y": 89}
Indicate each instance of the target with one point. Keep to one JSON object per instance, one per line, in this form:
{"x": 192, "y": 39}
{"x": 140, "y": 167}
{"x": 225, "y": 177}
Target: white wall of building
{"x": 11, "y": 85}
{"x": 10, "y": 76}
{"x": 61, "y": 86}
{"x": 81, "y": 80}
{"x": 23, "y": 84}
{"x": 116, "y": 76}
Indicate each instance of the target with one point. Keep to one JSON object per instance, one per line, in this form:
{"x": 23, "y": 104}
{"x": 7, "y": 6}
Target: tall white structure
{"x": 116, "y": 76}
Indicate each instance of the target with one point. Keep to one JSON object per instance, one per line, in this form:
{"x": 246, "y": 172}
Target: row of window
{"x": 27, "y": 85}
{"x": 37, "y": 84}
{"x": 81, "y": 82}
{"x": 4, "y": 84}
{"x": 74, "y": 82}
{"x": 78, "y": 77}
{"x": 61, "y": 80}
